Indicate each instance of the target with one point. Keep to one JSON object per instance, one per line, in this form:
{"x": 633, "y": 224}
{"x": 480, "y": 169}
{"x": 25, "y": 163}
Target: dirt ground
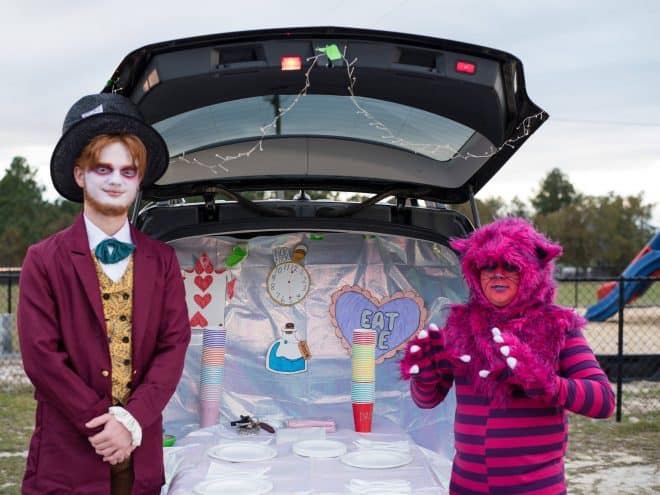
{"x": 612, "y": 473}
{"x": 606, "y": 457}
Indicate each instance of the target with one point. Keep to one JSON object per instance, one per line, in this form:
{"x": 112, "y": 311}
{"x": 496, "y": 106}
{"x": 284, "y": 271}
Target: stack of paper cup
{"x": 363, "y": 385}
{"x": 212, "y": 373}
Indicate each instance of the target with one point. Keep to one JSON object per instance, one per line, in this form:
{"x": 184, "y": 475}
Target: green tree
{"x": 20, "y": 199}
{"x": 518, "y": 208}
{"x": 604, "y": 232}
{"x": 489, "y": 209}
{"x": 556, "y": 192}
{"x": 12, "y": 247}
{"x": 25, "y": 217}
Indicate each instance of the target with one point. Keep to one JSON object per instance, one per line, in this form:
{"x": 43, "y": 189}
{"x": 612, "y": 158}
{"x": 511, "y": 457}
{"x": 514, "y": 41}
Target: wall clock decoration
{"x": 288, "y": 281}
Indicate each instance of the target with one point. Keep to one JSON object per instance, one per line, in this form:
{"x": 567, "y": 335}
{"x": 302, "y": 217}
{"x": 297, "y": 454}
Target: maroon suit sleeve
{"x": 45, "y": 359}
{"x": 583, "y": 386}
{"x": 148, "y": 400}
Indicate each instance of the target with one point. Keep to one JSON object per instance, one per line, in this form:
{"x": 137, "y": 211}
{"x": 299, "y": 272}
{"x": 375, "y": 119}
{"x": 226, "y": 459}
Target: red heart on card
{"x": 198, "y": 321}
{"x": 203, "y": 282}
{"x": 202, "y": 301}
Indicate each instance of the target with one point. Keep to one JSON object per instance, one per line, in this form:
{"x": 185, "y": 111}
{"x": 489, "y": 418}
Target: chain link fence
{"x": 626, "y": 340}
{"x": 12, "y": 377}
{"x": 624, "y": 332}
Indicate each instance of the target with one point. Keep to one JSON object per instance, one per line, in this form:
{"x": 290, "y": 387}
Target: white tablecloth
{"x": 188, "y": 463}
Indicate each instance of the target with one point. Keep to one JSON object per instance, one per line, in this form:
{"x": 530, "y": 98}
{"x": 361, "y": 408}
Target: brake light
{"x": 293, "y": 62}
{"x": 466, "y": 67}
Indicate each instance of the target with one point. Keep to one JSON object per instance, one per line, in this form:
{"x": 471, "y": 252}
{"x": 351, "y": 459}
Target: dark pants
{"x": 121, "y": 477}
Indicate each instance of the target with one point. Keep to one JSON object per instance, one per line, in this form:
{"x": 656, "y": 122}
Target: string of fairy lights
{"x": 332, "y": 53}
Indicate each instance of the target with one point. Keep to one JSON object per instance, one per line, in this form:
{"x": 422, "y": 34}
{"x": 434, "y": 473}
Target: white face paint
{"x": 112, "y": 184}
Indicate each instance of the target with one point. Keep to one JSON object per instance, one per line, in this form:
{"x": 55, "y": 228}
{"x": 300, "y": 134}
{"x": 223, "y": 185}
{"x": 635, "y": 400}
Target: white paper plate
{"x": 242, "y": 452}
{"x": 319, "y": 448}
{"x": 376, "y": 459}
{"x": 236, "y": 486}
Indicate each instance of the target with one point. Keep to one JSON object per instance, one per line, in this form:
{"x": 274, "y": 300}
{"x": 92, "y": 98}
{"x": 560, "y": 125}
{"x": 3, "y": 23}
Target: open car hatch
{"x": 329, "y": 108}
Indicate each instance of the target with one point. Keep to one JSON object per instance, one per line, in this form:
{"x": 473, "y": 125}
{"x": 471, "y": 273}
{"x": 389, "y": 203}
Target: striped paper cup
{"x": 214, "y": 337}
{"x": 363, "y": 392}
{"x": 213, "y": 357}
{"x": 361, "y": 353}
{"x": 212, "y": 374}
{"x": 210, "y": 391}
{"x": 364, "y": 336}
{"x": 209, "y": 412}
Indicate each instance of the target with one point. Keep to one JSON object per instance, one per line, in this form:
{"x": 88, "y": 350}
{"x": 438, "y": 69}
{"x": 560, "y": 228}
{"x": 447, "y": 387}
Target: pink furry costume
{"x": 517, "y": 369}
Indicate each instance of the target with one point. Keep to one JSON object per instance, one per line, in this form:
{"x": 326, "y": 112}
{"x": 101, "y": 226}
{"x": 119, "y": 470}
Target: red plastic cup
{"x": 362, "y": 417}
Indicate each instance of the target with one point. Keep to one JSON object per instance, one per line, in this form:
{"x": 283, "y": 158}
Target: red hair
{"x": 90, "y": 154}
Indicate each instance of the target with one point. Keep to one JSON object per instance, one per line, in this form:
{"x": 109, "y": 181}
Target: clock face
{"x": 288, "y": 283}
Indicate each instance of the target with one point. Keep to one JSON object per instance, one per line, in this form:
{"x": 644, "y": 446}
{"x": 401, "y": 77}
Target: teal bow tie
{"x": 119, "y": 251}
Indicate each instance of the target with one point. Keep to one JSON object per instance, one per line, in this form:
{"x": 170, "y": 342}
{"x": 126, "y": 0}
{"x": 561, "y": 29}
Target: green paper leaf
{"x": 331, "y": 51}
{"x": 237, "y": 255}
{"x": 316, "y": 237}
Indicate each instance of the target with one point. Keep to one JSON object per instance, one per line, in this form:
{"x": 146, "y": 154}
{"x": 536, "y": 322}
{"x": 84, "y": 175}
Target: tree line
{"x": 602, "y": 232}
{"x": 25, "y": 216}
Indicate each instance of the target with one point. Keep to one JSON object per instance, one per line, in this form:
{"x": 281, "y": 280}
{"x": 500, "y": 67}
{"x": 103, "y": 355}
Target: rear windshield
{"x": 357, "y": 118}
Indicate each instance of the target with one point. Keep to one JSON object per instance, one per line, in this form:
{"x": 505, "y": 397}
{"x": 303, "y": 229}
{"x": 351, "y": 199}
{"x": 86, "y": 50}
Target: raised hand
{"x": 426, "y": 359}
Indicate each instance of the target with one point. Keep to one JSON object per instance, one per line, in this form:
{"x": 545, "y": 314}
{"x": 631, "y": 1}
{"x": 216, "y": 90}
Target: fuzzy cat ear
{"x": 460, "y": 244}
{"x": 546, "y": 251}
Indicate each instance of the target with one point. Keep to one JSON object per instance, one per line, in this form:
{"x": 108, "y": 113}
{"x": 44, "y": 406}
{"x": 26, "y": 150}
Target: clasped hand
{"x": 114, "y": 442}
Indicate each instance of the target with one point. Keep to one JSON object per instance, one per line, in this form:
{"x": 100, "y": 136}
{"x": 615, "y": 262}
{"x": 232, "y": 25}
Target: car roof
{"x": 367, "y": 111}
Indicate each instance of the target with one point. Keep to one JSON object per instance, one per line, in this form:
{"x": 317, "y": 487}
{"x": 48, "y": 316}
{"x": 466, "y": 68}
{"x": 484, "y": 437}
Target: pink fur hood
{"x": 531, "y": 316}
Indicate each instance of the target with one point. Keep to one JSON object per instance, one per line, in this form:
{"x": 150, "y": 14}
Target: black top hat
{"x": 91, "y": 116}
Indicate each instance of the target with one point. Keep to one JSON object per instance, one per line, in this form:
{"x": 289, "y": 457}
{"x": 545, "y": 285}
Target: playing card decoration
{"x": 396, "y": 318}
{"x": 207, "y": 291}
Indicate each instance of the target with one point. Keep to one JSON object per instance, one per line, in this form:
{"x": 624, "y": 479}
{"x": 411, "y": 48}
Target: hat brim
{"x": 71, "y": 144}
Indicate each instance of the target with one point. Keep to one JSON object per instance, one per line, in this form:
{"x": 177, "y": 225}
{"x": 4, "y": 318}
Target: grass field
{"x": 603, "y": 457}
{"x": 584, "y": 294}
{"x": 16, "y": 422}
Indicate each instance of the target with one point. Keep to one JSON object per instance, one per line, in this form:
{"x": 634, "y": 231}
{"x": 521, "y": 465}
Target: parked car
{"x": 424, "y": 122}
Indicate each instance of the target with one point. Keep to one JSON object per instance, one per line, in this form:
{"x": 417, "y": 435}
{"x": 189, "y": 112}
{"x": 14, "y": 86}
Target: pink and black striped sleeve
{"x": 583, "y": 386}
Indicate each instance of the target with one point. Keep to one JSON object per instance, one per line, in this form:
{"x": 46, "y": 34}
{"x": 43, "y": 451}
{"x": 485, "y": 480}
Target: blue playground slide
{"x": 645, "y": 264}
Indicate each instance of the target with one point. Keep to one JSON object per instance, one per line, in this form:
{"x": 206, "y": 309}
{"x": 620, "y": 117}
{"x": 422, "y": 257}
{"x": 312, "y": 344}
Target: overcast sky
{"x": 594, "y": 66}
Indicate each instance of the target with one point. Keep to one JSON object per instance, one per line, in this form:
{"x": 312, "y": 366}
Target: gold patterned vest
{"x": 117, "y": 298}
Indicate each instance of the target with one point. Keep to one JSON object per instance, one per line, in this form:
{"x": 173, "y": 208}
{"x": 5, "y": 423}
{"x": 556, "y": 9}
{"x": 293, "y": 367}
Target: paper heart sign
{"x": 396, "y": 318}
{"x": 202, "y": 301}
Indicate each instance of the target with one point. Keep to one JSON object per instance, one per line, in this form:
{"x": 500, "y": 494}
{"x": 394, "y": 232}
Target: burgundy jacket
{"x": 65, "y": 353}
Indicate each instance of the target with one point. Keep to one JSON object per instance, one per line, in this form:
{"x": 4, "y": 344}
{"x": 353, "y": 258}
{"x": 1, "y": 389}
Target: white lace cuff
{"x": 131, "y": 424}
